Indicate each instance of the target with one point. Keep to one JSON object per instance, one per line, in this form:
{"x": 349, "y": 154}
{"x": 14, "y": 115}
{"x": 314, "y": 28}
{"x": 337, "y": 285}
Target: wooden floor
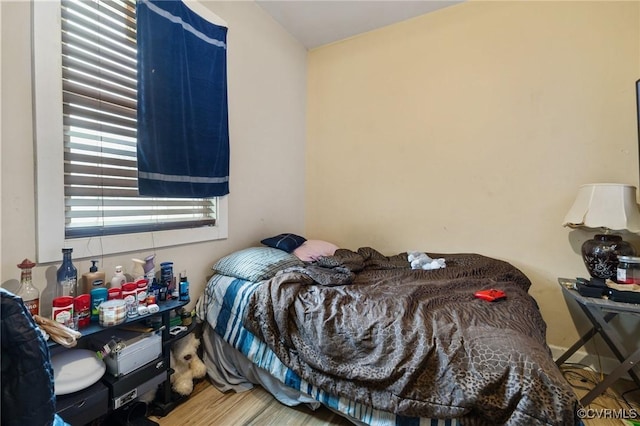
{"x": 613, "y": 406}
{"x": 208, "y": 406}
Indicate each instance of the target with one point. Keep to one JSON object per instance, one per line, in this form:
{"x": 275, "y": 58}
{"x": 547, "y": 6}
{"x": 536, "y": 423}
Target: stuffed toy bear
{"x": 186, "y": 364}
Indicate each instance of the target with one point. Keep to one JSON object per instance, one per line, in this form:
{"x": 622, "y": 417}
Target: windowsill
{"x": 115, "y": 244}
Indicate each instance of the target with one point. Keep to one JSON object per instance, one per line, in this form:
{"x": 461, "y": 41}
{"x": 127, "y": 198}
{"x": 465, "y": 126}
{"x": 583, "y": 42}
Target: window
{"x": 86, "y": 139}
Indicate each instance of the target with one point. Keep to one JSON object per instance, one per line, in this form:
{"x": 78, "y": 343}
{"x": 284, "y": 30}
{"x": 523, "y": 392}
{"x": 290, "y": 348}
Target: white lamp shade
{"x": 605, "y": 205}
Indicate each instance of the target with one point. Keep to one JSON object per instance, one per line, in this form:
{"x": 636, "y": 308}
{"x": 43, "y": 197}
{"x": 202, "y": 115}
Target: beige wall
{"x": 267, "y": 96}
{"x": 470, "y": 130}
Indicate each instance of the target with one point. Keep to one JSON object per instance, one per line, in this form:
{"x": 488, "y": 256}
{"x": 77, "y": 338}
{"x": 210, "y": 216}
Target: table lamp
{"x": 609, "y": 207}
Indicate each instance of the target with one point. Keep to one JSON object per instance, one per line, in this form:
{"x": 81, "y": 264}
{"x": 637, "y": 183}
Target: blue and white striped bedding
{"x": 222, "y": 306}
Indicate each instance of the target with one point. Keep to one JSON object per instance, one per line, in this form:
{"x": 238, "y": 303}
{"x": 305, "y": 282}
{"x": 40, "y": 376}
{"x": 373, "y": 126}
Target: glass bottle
{"x": 29, "y": 294}
{"x": 67, "y": 275}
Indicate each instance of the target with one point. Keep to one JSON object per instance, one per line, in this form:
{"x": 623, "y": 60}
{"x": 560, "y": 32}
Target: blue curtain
{"x": 183, "y": 127}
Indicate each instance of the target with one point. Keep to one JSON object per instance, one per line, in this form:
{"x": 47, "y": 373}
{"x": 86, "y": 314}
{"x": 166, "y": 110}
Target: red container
{"x": 82, "y": 309}
{"x": 62, "y": 310}
{"x": 129, "y": 290}
{"x": 141, "y": 291}
{"x": 114, "y": 293}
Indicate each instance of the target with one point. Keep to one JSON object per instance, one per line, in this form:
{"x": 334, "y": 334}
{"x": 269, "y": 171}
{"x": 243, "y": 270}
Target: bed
{"x": 381, "y": 343}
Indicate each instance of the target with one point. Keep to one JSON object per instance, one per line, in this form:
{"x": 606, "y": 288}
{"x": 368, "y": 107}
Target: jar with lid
{"x": 628, "y": 271}
{"x": 29, "y": 294}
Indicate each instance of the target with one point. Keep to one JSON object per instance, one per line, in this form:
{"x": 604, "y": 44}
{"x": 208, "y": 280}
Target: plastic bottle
{"x": 137, "y": 272}
{"x": 118, "y": 278}
{"x": 98, "y": 295}
{"x": 183, "y": 288}
{"x": 67, "y": 275}
{"x": 29, "y": 294}
{"x": 149, "y": 268}
{"x": 92, "y": 279}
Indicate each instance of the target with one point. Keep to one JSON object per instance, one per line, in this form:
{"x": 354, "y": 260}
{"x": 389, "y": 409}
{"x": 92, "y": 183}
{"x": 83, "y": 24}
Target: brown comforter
{"x": 416, "y": 343}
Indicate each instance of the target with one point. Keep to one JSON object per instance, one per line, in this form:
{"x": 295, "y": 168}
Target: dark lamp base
{"x": 600, "y": 255}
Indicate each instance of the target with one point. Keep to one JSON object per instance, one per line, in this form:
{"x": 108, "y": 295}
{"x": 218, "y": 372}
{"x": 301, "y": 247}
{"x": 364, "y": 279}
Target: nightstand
{"x": 600, "y": 312}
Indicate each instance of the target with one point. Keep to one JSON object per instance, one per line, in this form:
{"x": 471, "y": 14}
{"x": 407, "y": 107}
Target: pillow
{"x": 255, "y": 263}
{"x": 286, "y": 242}
{"x": 311, "y": 250}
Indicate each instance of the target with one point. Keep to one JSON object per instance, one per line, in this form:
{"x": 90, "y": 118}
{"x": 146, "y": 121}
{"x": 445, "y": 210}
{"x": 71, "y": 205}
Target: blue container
{"x": 183, "y": 289}
{"x": 166, "y": 274}
{"x": 98, "y": 295}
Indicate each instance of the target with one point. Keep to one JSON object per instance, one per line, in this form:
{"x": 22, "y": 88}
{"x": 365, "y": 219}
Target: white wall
{"x": 470, "y": 129}
{"x": 267, "y": 97}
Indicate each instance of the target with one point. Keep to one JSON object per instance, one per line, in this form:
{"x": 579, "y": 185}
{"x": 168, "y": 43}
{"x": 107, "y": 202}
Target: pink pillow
{"x": 311, "y": 250}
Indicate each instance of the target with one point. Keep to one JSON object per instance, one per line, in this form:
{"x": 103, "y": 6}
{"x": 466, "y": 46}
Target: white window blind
{"x": 99, "y": 110}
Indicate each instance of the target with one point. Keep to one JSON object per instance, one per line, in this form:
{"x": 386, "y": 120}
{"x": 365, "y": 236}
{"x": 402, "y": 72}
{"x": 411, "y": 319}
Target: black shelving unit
{"x": 168, "y": 399}
{"x": 75, "y": 406}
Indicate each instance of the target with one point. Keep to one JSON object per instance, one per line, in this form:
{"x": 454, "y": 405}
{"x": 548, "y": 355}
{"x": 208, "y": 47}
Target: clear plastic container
{"x": 628, "y": 271}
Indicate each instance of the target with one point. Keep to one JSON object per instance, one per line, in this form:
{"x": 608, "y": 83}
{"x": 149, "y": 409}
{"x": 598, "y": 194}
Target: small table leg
{"x": 584, "y": 339}
{"x": 580, "y": 343}
{"x": 626, "y": 366}
{"x": 611, "y": 336}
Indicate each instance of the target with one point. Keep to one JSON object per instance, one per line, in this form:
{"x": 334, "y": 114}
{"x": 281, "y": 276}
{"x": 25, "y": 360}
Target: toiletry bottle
{"x": 30, "y": 295}
{"x": 92, "y": 279}
{"x": 98, "y": 295}
{"x": 137, "y": 272}
{"x": 118, "y": 278}
{"x": 149, "y": 268}
{"x": 183, "y": 287}
{"x": 67, "y": 275}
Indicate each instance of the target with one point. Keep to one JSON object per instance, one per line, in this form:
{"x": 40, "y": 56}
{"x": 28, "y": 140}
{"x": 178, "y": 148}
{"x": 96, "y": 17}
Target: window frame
{"x": 49, "y": 167}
